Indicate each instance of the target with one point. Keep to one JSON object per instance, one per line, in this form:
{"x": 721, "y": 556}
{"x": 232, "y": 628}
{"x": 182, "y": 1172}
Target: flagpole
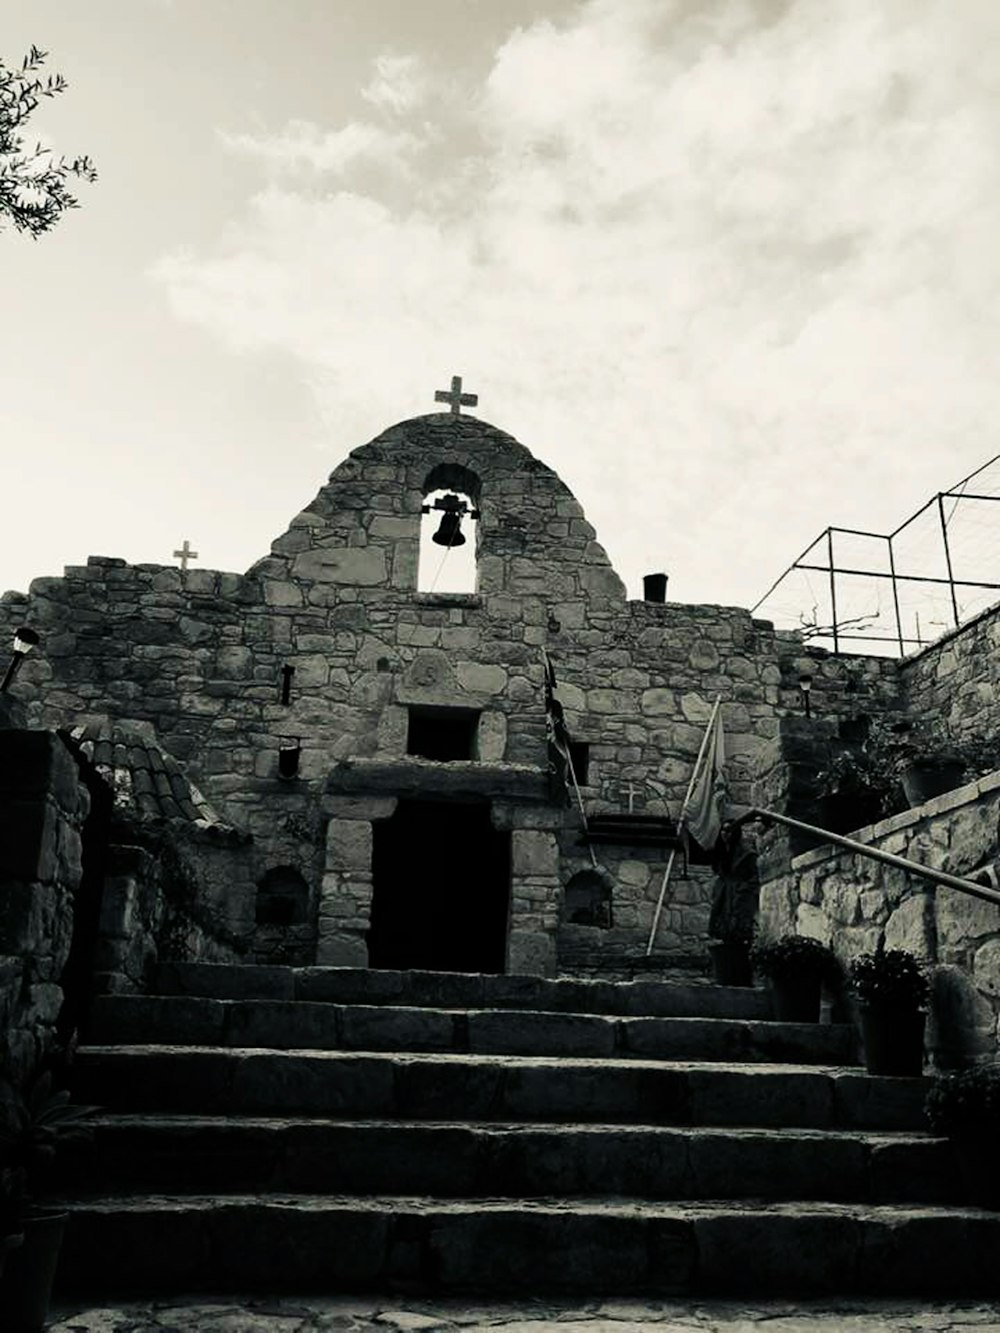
{"x": 680, "y": 824}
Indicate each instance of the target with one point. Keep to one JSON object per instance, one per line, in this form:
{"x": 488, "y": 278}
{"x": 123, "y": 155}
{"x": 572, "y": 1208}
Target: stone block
{"x": 481, "y": 679}
{"x": 233, "y": 663}
{"x": 492, "y": 737}
{"x": 813, "y": 922}
{"x": 364, "y": 566}
{"x": 349, "y": 844}
{"x": 534, "y": 852}
{"x": 961, "y": 1024}
{"x": 282, "y": 593}
{"x": 911, "y": 926}
{"x": 961, "y": 918}
{"x": 986, "y": 968}
{"x": 704, "y": 656}
{"x": 532, "y": 952}
{"x": 659, "y": 702}
{"x": 312, "y": 671}
{"x": 340, "y": 948}
{"x": 517, "y": 1033}
{"x": 800, "y": 1251}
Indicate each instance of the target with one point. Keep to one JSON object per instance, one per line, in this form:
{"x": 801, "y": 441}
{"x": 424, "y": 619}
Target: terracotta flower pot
{"x": 893, "y": 1037}
{"x": 28, "y": 1276}
{"x": 7, "y": 1243}
{"x": 978, "y": 1159}
{"x": 923, "y": 780}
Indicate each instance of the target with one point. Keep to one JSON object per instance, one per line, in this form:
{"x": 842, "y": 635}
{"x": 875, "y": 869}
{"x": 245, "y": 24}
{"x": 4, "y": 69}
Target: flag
{"x": 708, "y": 799}
{"x": 557, "y": 732}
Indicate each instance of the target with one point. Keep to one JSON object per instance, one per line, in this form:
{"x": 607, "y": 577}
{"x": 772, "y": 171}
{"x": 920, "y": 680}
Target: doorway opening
{"x": 440, "y": 889}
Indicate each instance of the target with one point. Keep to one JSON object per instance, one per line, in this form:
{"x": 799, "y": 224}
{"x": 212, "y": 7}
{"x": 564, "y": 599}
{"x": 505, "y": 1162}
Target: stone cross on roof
{"x": 456, "y": 397}
{"x": 185, "y": 554}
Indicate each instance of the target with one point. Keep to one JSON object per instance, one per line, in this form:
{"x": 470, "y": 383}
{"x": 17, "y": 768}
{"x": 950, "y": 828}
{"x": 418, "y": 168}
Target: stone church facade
{"x": 386, "y": 749}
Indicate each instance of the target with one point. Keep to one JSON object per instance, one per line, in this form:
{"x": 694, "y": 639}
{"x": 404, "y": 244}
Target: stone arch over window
{"x": 282, "y": 898}
{"x": 443, "y": 567}
{"x": 588, "y": 899}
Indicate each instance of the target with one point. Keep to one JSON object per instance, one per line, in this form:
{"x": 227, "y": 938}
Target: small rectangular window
{"x": 442, "y": 733}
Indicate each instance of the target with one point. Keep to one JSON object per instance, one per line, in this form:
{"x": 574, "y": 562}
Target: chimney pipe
{"x": 654, "y": 588}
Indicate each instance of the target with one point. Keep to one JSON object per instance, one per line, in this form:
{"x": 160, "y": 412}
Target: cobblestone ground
{"x": 348, "y": 1315}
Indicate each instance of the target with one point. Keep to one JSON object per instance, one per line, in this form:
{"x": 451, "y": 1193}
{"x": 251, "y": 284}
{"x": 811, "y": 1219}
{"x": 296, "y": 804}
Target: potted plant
{"x": 33, "y": 1126}
{"x": 796, "y": 967}
{"x": 928, "y": 769}
{"x": 860, "y": 783}
{"x": 966, "y": 1108}
{"x": 891, "y": 991}
{"x": 11, "y": 1212}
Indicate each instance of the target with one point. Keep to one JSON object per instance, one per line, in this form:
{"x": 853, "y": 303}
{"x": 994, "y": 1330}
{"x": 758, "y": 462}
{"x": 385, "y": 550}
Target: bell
{"x": 449, "y": 532}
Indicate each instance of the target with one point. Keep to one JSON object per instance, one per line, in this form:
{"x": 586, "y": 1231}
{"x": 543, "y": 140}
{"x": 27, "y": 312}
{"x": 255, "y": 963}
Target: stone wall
{"x": 172, "y": 894}
{"x": 953, "y": 686}
{"x": 201, "y": 656}
{"x": 43, "y": 806}
{"x": 853, "y": 903}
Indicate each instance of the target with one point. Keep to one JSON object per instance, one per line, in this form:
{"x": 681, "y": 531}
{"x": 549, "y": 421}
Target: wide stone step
{"x": 334, "y": 1244}
{"x": 302, "y": 1024}
{"x": 214, "y": 1080}
{"x": 180, "y": 1154}
{"x": 461, "y": 990}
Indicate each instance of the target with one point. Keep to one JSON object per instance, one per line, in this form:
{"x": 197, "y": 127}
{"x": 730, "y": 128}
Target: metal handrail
{"x": 876, "y": 854}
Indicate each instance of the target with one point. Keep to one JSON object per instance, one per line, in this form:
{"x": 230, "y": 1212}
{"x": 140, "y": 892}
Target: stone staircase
{"x": 337, "y": 1129}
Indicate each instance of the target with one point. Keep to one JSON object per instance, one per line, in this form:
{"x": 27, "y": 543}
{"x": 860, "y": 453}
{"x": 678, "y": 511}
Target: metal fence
{"x": 892, "y": 593}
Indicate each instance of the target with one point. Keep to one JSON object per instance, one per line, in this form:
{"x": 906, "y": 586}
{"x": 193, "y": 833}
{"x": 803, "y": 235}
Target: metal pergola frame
{"x": 892, "y": 574}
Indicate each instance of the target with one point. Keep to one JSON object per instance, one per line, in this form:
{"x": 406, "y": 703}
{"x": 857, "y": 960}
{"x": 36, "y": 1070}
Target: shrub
{"x": 966, "y": 1105}
{"x": 793, "y": 957}
{"x": 889, "y": 977}
{"x": 33, "y": 1127}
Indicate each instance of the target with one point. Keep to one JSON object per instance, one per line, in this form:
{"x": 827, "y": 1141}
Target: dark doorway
{"x": 440, "y": 889}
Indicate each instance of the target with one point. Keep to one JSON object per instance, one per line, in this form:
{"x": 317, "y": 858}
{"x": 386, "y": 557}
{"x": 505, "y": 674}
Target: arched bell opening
{"x": 449, "y": 530}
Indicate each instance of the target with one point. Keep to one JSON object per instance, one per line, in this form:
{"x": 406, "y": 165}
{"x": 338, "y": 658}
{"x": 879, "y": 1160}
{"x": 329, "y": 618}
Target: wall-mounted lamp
{"x": 287, "y": 672}
{"x": 805, "y": 689}
{"x": 289, "y": 750}
{"x": 24, "y": 640}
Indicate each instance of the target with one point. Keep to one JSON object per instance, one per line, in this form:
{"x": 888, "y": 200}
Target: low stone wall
{"x": 173, "y": 894}
{"x": 853, "y": 903}
{"x": 953, "y": 686}
{"x": 43, "y": 806}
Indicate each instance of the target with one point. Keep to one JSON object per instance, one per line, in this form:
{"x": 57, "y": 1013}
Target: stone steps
{"x": 227, "y": 1081}
{"x": 340, "y": 1129}
{"x": 302, "y": 1024}
{"x": 531, "y": 1247}
{"x": 461, "y": 990}
{"x": 456, "y": 1159}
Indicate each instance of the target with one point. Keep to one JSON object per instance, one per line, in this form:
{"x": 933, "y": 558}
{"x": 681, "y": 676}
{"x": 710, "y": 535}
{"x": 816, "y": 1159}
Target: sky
{"x": 729, "y": 266}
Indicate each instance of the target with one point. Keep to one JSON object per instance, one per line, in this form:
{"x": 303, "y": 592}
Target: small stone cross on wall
{"x": 456, "y": 397}
{"x": 185, "y": 554}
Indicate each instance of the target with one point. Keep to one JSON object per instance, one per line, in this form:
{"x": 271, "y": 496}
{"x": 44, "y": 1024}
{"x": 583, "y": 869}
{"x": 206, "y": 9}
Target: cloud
{"x": 730, "y": 266}
{"x": 399, "y": 84}
{"x": 303, "y": 145}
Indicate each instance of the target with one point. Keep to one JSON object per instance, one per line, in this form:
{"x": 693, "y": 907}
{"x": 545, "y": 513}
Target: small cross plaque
{"x": 456, "y": 397}
{"x": 185, "y": 554}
